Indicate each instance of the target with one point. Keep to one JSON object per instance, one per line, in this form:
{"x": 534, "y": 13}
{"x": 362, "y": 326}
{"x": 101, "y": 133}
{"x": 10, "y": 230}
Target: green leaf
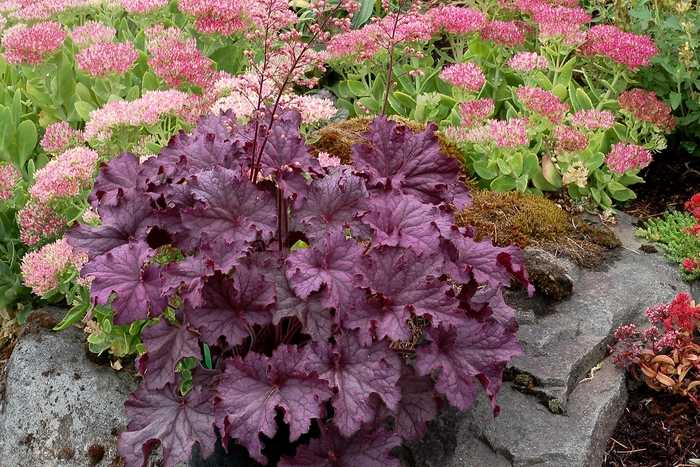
{"x": 572, "y": 97}
{"x": 149, "y": 82}
{"x": 516, "y": 163}
{"x": 565, "y": 74}
{"x": 65, "y": 81}
{"x": 357, "y": 88}
{"x": 372, "y": 104}
{"x": 404, "y": 99}
{"x": 485, "y": 169}
{"x": 583, "y": 100}
{"x": 153, "y": 148}
{"x": 550, "y": 172}
{"x": 643, "y": 13}
{"x": 133, "y": 93}
{"x": 7, "y": 130}
{"x": 17, "y": 106}
{"x": 672, "y": 22}
{"x": 560, "y": 91}
{"x": 503, "y": 183}
{"x": 531, "y": 165}
{"x": 73, "y": 315}
{"x": 37, "y": 92}
{"x": 27, "y": 139}
{"x": 84, "y": 109}
{"x": 543, "y": 81}
{"x": 675, "y": 100}
{"x": 84, "y": 93}
{"x": 361, "y": 17}
{"x": 594, "y": 161}
{"x": 623, "y": 195}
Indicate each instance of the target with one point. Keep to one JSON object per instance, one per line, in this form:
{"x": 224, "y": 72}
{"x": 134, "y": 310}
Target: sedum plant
{"x": 341, "y": 301}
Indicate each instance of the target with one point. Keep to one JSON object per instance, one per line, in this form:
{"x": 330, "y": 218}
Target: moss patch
{"x": 527, "y": 219}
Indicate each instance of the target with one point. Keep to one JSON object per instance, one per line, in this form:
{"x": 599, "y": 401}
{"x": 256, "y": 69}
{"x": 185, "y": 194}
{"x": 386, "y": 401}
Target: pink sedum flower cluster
{"x": 502, "y": 133}
{"x": 59, "y": 137}
{"x": 471, "y": 112}
{"x": 326, "y": 160}
{"x": 92, "y": 32}
{"x": 561, "y": 22}
{"x": 142, "y": 7}
{"x": 38, "y": 222}
{"x": 644, "y": 106}
{"x": 66, "y": 175}
{"x": 312, "y": 109}
{"x": 627, "y": 156}
{"x": 505, "y": 33}
{"x": 103, "y": 58}
{"x": 9, "y": 176}
{"x": 569, "y": 139}
{"x": 626, "y": 48}
{"x": 217, "y": 16}
{"x": 147, "y": 110}
{"x": 464, "y": 75}
{"x": 32, "y": 45}
{"x": 42, "y": 269}
{"x": 456, "y": 20}
{"x": 526, "y": 62}
{"x": 177, "y": 59}
{"x": 593, "y": 119}
{"x": 542, "y": 102}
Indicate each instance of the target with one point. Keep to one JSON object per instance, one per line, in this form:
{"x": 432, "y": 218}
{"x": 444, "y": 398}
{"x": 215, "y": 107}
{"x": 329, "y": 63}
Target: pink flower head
{"x": 683, "y": 314}
{"x": 59, "y": 137}
{"x": 511, "y": 133}
{"x": 38, "y": 221}
{"x": 593, "y": 119}
{"x": 464, "y": 75}
{"x": 216, "y": 16}
{"x": 688, "y": 265}
{"x": 103, "y": 58}
{"x": 542, "y": 102}
{"x": 693, "y": 205}
{"x": 627, "y": 156}
{"x": 312, "y": 109}
{"x": 658, "y": 313}
{"x": 92, "y": 32}
{"x": 353, "y": 43}
{"x": 503, "y": 33}
{"x": 622, "y": 47}
{"x": 42, "y": 269}
{"x": 66, "y": 175}
{"x": 142, "y": 7}
{"x": 625, "y": 333}
{"x": 561, "y": 22}
{"x": 644, "y": 106}
{"x": 471, "y": 112}
{"x": 326, "y": 160}
{"x": 456, "y": 20}
{"x": 527, "y": 61}
{"x": 9, "y": 176}
{"x": 569, "y": 140}
{"x": 177, "y": 59}
{"x": 32, "y": 45}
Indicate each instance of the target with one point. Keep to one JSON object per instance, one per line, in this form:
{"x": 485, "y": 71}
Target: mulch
{"x": 658, "y": 429}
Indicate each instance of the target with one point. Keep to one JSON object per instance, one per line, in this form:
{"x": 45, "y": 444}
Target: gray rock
{"x": 553, "y": 277}
{"x": 58, "y": 406}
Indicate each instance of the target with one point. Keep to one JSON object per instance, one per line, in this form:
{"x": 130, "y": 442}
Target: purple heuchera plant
{"x": 310, "y": 335}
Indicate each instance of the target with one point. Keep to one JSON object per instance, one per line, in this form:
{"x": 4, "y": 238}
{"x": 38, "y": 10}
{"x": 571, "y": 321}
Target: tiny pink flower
{"x": 658, "y": 313}
{"x": 313, "y": 109}
{"x": 59, "y": 137}
{"x": 688, "y": 265}
{"x": 326, "y": 160}
{"x": 627, "y": 156}
{"x": 622, "y": 47}
{"x": 66, "y": 175}
{"x": 177, "y": 59}
{"x": 92, "y": 32}
{"x": 593, "y": 119}
{"x": 32, "y": 45}
{"x": 542, "y": 102}
{"x": 503, "y": 33}
{"x": 42, "y": 269}
{"x": 456, "y": 20}
{"x": 464, "y": 75}
{"x": 527, "y": 61}
{"x": 471, "y": 112}
{"x": 644, "y": 105}
{"x": 9, "y": 177}
{"x": 217, "y": 17}
{"x": 569, "y": 140}
{"x": 142, "y": 7}
{"x": 38, "y": 221}
{"x": 103, "y": 58}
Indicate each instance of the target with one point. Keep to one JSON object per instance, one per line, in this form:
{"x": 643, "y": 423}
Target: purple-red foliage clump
{"x": 309, "y": 337}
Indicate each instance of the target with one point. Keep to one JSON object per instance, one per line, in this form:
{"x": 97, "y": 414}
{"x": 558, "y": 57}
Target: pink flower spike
{"x": 66, "y": 175}
{"x": 42, "y": 269}
{"x": 9, "y": 177}
{"x": 103, "y": 58}
{"x": 32, "y": 45}
{"x": 627, "y": 156}
{"x": 464, "y": 75}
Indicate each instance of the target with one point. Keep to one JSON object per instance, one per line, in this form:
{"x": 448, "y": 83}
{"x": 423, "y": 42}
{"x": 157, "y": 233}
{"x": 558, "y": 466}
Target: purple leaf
{"x": 486, "y": 304}
{"x": 116, "y": 177}
{"x": 366, "y": 449}
{"x": 252, "y": 388}
{"x": 417, "y": 407}
{"x": 411, "y": 163}
{"x": 471, "y": 350}
{"x": 234, "y": 209}
{"x": 333, "y": 203}
{"x": 231, "y": 304}
{"x": 224, "y": 255}
{"x": 161, "y": 415}
{"x": 318, "y": 321}
{"x": 484, "y": 262}
{"x": 129, "y": 220}
{"x": 404, "y": 283}
{"x": 187, "y": 278}
{"x": 357, "y": 372}
{"x": 166, "y": 344}
{"x": 401, "y": 220}
{"x": 138, "y": 288}
{"x": 330, "y": 263}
